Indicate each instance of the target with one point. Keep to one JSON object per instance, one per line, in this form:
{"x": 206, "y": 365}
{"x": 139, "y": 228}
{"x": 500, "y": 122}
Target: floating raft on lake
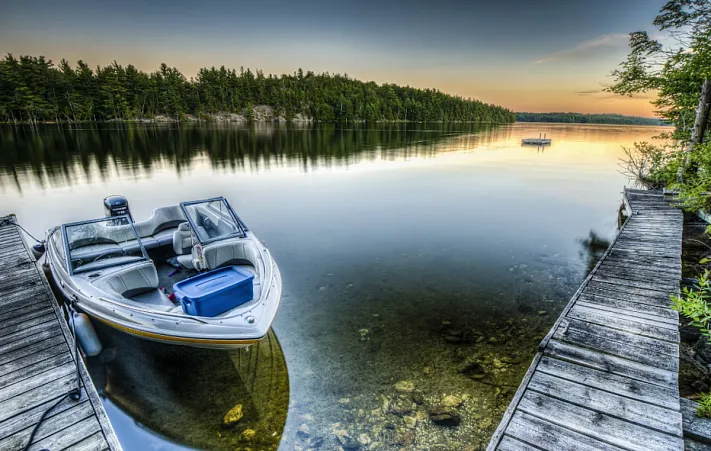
{"x": 605, "y": 376}
{"x": 37, "y": 367}
{"x": 540, "y": 141}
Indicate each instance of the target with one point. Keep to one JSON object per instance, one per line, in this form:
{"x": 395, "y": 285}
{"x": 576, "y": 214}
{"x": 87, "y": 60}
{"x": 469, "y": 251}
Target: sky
{"x": 534, "y": 55}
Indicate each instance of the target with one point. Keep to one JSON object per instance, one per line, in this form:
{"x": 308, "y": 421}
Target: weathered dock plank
{"x": 37, "y": 363}
{"x": 695, "y": 428}
{"x": 606, "y": 375}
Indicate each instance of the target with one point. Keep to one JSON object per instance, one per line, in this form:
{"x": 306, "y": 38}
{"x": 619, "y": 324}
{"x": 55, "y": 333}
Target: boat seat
{"x": 227, "y": 253}
{"x": 158, "y": 230}
{"x": 132, "y": 281}
{"x": 183, "y": 245}
{"x": 182, "y": 239}
{"x": 161, "y": 219}
{"x": 164, "y": 237}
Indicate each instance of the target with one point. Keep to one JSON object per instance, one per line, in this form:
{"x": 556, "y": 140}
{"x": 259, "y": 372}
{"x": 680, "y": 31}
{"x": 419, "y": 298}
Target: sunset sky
{"x": 545, "y": 55}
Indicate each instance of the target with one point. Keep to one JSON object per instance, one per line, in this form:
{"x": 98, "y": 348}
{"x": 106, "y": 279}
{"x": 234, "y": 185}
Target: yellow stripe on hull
{"x": 200, "y": 342}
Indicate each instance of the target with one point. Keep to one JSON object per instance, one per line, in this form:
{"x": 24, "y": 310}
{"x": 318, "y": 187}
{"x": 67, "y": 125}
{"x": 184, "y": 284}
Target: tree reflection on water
{"x": 62, "y": 154}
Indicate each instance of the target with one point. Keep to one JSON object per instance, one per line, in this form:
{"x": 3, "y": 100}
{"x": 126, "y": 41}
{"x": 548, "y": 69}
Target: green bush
{"x": 704, "y": 409}
{"x": 695, "y": 189}
{"x": 693, "y": 304}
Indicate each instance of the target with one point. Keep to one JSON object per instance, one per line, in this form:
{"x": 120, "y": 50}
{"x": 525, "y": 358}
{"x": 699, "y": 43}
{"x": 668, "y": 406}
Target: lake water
{"x": 437, "y": 255}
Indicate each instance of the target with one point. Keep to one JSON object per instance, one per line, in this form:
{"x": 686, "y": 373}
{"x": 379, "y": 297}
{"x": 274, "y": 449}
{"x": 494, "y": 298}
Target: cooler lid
{"x": 212, "y": 282}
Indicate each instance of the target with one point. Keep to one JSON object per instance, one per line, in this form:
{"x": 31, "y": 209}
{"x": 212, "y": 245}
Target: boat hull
{"x": 204, "y": 343}
{"x": 88, "y": 305}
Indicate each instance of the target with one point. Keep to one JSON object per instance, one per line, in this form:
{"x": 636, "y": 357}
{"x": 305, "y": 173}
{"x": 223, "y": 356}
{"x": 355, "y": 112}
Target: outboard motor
{"x": 116, "y": 206}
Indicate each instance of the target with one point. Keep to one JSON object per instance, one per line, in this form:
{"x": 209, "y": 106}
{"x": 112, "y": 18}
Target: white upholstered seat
{"x": 233, "y": 252}
{"x": 131, "y": 281}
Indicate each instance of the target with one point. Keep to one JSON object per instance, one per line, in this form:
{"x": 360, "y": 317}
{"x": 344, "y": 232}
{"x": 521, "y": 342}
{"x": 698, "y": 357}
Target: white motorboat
{"x": 192, "y": 274}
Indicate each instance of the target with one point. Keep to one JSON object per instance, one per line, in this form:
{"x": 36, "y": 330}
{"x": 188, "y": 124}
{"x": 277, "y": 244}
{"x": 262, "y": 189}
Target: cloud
{"x": 606, "y": 40}
{"x": 587, "y": 93}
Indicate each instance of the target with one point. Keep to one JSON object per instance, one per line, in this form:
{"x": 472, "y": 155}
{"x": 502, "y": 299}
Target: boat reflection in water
{"x": 160, "y": 396}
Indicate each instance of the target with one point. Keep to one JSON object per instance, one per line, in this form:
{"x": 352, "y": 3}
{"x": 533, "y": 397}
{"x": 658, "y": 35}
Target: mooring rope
{"x": 5, "y": 222}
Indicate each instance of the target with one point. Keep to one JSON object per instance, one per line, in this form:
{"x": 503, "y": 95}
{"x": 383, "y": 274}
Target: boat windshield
{"x": 213, "y": 220}
{"x": 102, "y": 243}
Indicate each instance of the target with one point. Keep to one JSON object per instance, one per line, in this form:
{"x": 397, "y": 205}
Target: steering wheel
{"x": 110, "y": 252}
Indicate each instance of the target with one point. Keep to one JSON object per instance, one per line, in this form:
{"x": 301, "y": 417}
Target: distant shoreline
{"x": 591, "y": 123}
{"x": 582, "y": 118}
{"x": 232, "y": 118}
{"x": 264, "y": 115}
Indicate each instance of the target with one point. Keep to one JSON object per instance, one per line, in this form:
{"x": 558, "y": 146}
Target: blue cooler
{"x": 215, "y": 292}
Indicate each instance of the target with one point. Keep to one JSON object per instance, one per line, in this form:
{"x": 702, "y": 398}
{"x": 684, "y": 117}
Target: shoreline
{"x": 195, "y": 120}
{"x": 261, "y": 114}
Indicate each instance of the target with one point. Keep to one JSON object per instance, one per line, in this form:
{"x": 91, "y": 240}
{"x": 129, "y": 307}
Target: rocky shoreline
{"x": 260, "y": 113}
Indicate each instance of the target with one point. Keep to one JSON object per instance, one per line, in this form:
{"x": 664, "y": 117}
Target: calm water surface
{"x": 438, "y": 255}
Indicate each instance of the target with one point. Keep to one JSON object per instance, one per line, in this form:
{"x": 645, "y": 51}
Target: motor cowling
{"x": 116, "y": 206}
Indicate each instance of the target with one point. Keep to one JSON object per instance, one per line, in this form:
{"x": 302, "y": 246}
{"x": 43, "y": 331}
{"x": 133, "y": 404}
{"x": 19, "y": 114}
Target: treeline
{"x": 580, "y": 118}
{"x": 33, "y": 90}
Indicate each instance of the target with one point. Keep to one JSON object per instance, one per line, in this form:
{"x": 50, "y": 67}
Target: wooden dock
{"x": 605, "y": 376}
{"x": 37, "y": 366}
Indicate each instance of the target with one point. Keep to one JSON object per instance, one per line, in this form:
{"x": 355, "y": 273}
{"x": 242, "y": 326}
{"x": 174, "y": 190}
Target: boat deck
{"x": 37, "y": 368}
{"x": 605, "y": 376}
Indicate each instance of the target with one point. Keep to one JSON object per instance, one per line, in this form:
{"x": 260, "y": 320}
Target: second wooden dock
{"x": 605, "y": 377}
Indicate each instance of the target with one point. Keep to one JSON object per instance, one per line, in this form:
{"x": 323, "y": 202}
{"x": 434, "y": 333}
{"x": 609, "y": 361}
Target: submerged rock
{"x": 364, "y": 334}
{"x": 405, "y": 386}
{"x": 315, "y": 442}
{"x": 405, "y": 437}
{"x": 472, "y": 368}
{"x": 303, "y": 431}
{"x": 410, "y": 422}
{"x": 233, "y": 416}
{"x": 346, "y": 441}
{"x": 400, "y": 407}
{"x": 248, "y": 434}
{"x": 364, "y": 440}
{"x": 445, "y": 416}
{"x": 452, "y": 401}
